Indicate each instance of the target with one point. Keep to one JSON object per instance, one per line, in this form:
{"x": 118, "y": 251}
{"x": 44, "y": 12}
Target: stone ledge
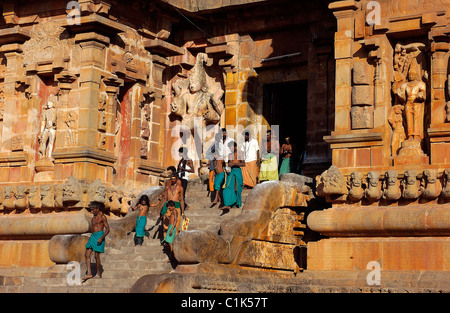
{"x": 83, "y": 155}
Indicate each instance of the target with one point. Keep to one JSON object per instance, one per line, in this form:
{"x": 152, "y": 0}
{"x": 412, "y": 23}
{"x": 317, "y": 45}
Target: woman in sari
{"x": 235, "y": 182}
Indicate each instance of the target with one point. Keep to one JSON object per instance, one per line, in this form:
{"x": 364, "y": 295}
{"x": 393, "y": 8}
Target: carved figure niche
{"x": 145, "y": 134}
{"x": 198, "y": 96}
{"x": 408, "y": 114}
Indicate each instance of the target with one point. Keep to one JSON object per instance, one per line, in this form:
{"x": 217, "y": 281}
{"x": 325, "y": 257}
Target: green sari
{"x": 233, "y": 188}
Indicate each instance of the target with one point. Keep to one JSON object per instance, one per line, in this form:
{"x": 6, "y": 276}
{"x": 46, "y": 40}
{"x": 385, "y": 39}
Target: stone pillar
{"x": 439, "y": 130}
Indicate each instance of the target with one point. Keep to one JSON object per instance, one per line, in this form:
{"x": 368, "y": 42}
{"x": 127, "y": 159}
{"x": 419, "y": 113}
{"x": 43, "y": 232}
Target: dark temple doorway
{"x": 285, "y": 104}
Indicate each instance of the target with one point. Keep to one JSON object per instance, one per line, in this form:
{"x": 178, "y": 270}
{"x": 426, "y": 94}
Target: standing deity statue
{"x": 407, "y": 117}
{"x": 195, "y": 98}
{"x": 48, "y": 129}
{"x": 413, "y": 94}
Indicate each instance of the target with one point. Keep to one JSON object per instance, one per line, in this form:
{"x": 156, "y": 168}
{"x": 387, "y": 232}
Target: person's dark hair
{"x": 172, "y": 168}
{"x": 96, "y": 205}
{"x": 182, "y": 150}
{"x": 269, "y": 131}
{"x": 170, "y": 203}
{"x": 247, "y": 133}
{"x": 145, "y": 198}
{"x": 224, "y": 130}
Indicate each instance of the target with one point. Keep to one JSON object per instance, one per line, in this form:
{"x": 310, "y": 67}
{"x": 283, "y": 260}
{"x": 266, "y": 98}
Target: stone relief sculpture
{"x": 410, "y": 91}
{"x": 445, "y": 184}
{"x": 47, "y": 197}
{"x": 331, "y": 182}
{"x": 71, "y": 191}
{"x": 9, "y": 201}
{"x": 373, "y": 191}
{"x": 411, "y": 187}
{"x": 396, "y": 122}
{"x": 356, "y": 192}
{"x": 48, "y": 129}
{"x": 197, "y": 97}
{"x": 392, "y": 190}
{"x": 431, "y": 188}
{"x": 97, "y": 191}
{"x": 70, "y": 122}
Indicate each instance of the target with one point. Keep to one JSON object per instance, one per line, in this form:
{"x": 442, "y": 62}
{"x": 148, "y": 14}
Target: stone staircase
{"x": 123, "y": 263}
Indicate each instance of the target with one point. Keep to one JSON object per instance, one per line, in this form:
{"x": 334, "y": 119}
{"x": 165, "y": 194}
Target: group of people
{"x": 174, "y": 205}
{"x": 231, "y": 169}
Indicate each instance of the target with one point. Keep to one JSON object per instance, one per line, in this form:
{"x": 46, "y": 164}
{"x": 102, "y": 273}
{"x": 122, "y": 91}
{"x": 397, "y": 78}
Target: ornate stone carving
{"x": 432, "y": 188}
{"x": 197, "y": 97}
{"x": 71, "y": 191}
{"x": 34, "y": 197}
{"x": 392, "y": 190}
{"x": 356, "y": 191}
{"x": 47, "y": 197}
{"x": 410, "y": 90}
{"x": 114, "y": 203}
{"x": 445, "y": 184}
{"x": 70, "y": 122}
{"x": 97, "y": 191}
{"x": 398, "y": 134}
{"x": 411, "y": 186}
{"x": 373, "y": 191}
{"x": 21, "y": 197}
{"x": 45, "y": 44}
{"x": 9, "y": 201}
{"x": 331, "y": 182}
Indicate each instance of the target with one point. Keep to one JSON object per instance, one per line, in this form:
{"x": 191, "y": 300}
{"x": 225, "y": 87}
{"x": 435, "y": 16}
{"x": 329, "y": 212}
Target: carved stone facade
{"x": 391, "y": 134}
{"x": 88, "y": 105}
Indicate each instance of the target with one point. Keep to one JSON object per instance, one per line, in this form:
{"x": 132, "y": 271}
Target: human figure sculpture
{"x": 194, "y": 99}
{"x": 413, "y": 94}
{"x": 48, "y": 129}
{"x": 396, "y": 122}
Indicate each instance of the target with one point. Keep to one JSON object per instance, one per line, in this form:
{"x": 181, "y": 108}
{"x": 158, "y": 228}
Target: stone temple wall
{"x": 90, "y": 96}
{"x": 389, "y": 181}
{"x": 81, "y": 116}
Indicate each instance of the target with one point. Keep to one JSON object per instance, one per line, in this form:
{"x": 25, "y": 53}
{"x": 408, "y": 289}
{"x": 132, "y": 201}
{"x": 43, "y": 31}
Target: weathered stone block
{"x": 362, "y": 95}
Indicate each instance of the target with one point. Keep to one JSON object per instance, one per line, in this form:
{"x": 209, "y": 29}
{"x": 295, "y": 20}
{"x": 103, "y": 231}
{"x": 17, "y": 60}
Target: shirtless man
{"x": 96, "y": 243}
{"x": 174, "y": 193}
{"x": 171, "y": 170}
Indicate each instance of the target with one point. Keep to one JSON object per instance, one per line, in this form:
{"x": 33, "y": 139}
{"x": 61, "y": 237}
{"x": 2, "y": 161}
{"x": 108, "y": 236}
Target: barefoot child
{"x": 141, "y": 219}
{"x": 96, "y": 242}
{"x": 219, "y": 177}
{"x": 172, "y": 217}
